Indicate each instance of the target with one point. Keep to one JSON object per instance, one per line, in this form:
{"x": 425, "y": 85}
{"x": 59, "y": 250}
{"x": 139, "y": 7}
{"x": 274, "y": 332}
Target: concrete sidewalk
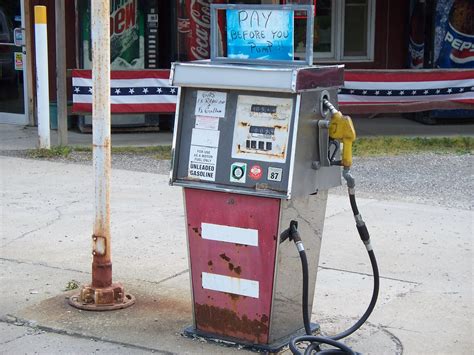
{"x": 424, "y": 252}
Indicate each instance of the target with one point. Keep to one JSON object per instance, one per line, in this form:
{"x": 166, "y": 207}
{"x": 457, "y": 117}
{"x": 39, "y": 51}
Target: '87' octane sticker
{"x": 274, "y": 174}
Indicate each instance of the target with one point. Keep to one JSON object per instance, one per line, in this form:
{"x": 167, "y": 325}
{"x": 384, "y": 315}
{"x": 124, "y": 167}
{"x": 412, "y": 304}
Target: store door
{"x": 12, "y": 99}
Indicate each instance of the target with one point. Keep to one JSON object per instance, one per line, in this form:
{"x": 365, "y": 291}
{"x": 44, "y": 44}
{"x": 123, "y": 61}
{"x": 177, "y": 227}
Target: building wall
{"x": 390, "y": 52}
{"x": 391, "y": 36}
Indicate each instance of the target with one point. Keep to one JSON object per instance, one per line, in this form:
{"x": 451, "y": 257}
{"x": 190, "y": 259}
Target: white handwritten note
{"x": 210, "y": 103}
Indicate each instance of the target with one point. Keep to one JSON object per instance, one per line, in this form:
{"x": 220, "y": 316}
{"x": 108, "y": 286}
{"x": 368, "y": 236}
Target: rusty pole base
{"x": 102, "y": 298}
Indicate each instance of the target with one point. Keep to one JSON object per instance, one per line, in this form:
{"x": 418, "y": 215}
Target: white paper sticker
{"x": 229, "y": 234}
{"x": 205, "y": 137}
{"x": 207, "y": 122}
{"x": 235, "y": 285}
{"x": 202, "y": 163}
{"x": 210, "y": 103}
{"x": 203, "y": 154}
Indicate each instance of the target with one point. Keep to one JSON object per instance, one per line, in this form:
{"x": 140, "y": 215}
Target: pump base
{"x": 102, "y": 298}
{"x": 276, "y": 346}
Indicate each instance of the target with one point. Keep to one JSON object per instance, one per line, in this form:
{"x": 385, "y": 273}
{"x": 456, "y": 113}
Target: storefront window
{"x": 355, "y": 28}
{"x": 323, "y": 27}
{"x": 343, "y": 30}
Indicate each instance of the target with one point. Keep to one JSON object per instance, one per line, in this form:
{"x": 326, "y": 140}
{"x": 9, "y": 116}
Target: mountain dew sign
{"x": 126, "y": 35}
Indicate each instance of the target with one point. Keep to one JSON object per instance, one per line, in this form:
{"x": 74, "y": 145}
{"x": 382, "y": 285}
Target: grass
{"x": 362, "y": 147}
{"x": 72, "y": 285}
{"x": 54, "y": 152}
{"x": 158, "y": 152}
{"x": 402, "y": 145}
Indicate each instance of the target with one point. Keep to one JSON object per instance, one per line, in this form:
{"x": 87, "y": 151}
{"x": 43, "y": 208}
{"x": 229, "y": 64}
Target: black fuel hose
{"x": 315, "y": 341}
{"x": 304, "y": 265}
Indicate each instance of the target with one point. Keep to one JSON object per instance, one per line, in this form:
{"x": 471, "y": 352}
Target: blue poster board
{"x": 260, "y": 34}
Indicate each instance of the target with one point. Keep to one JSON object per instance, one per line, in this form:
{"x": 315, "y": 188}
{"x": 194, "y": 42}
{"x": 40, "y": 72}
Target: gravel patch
{"x": 434, "y": 179}
{"x": 439, "y": 179}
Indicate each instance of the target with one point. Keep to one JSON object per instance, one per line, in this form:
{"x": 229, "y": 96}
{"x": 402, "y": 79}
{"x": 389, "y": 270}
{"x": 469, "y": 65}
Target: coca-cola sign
{"x": 200, "y": 12}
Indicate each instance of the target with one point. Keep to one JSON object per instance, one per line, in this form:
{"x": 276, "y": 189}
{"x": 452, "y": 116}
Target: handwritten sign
{"x": 210, "y": 103}
{"x": 260, "y": 34}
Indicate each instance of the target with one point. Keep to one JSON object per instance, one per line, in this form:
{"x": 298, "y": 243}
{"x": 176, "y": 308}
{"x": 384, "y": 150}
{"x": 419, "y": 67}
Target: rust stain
{"x": 237, "y": 270}
{"x": 230, "y": 201}
{"x": 233, "y": 296}
{"x": 179, "y": 306}
{"x": 225, "y": 257}
{"x": 244, "y": 124}
{"x": 195, "y": 229}
{"x": 209, "y": 263}
{"x": 227, "y": 322}
{"x": 265, "y": 153}
{"x": 101, "y": 272}
{"x": 241, "y": 245}
{"x": 284, "y": 128}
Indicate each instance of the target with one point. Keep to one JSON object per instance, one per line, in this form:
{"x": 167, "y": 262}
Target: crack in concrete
{"x": 393, "y": 337}
{"x": 51, "y": 222}
{"x": 43, "y": 265}
{"x": 366, "y": 274}
{"x": 88, "y": 273}
{"x": 401, "y": 328}
{"x": 348, "y": 209}
{"x": 16, "y": 338}
{"x": 165, "y": 279}
{"x": 25, "y": 323}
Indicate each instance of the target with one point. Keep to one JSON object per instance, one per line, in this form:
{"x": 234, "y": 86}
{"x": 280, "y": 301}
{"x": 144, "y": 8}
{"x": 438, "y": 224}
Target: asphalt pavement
{"x": 424, "y": 251}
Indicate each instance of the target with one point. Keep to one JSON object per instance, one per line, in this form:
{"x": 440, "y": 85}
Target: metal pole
{"x": 102, "y": 265}
{"x": 61, "y": 92}
{"x": 42, "y": 82}
{"x": 102, "y": 294}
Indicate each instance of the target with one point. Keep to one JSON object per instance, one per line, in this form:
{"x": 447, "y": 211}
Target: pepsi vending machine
{"x": 454, "y": 34}
{"x": 453, "y": 43}
{"x": 441, "y": 35}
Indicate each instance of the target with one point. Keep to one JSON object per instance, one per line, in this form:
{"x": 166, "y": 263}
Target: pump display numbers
{"x": 261, "y": 130}
{"x": 266, "y": 131}
{"x": 263, "y": 108}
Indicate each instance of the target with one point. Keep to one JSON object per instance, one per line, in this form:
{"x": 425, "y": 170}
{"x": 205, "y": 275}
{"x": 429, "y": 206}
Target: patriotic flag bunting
{"x": 138, "y": 91}
{"x": 406, "y": 90}
{"x": 364, "y": 91}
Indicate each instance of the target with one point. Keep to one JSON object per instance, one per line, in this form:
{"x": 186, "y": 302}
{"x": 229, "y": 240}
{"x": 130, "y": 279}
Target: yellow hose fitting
{"x": 342, "y": 129}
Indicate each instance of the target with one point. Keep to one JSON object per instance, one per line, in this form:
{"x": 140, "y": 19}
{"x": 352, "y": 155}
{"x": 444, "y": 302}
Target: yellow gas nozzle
{"x": 342, "y": 129}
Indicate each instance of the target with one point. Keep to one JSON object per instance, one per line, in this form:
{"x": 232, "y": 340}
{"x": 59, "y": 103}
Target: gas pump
{"x": 256, "y": 150}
